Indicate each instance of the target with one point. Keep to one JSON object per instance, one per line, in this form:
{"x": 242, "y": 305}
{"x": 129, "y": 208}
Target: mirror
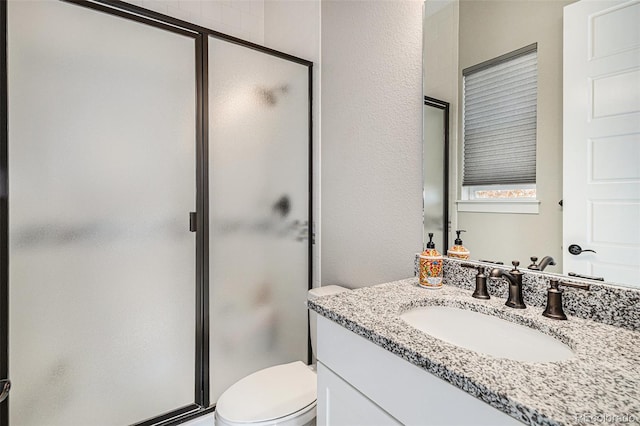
{"x": 435, "y": 171}
{"x": 458, "y": 34}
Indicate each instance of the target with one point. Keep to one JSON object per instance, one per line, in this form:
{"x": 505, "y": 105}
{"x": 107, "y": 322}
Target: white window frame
{"x": 520, "y": 205}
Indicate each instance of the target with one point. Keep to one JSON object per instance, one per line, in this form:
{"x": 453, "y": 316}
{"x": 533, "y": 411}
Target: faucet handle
{"x": 554, "y": 298}
{"x": 554, "y": 302}
{"x": 534, "y": 266}
{"x": 515, "y": 264}
{"x": 481, "y": 281}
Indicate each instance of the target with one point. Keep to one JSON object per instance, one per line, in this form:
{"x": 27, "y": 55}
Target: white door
{"x": 602, "y": 139}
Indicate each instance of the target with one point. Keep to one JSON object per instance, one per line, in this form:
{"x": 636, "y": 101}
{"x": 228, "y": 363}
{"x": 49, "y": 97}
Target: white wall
{"x": 371, "y": 140}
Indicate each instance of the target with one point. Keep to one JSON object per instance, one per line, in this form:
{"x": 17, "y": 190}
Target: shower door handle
{"x": 193, "y": 221}
{"x": 5, "y": 387}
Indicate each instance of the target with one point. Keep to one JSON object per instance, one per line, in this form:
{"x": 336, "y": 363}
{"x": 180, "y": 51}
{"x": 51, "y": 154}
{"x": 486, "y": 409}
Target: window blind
{"x": 499, "y": 120}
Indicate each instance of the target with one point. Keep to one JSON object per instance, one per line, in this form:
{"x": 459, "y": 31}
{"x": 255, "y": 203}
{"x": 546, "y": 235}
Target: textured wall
{"x": 371, "y": 140}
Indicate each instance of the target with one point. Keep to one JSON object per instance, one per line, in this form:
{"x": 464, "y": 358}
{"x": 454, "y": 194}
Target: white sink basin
{"x": 487, "y": 334}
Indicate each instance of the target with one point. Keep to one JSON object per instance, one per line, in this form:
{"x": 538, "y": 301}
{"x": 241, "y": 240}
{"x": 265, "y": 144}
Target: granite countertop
{"x": 602, "y": 379}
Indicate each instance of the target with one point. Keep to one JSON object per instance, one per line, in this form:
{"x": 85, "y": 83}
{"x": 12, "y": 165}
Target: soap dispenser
{"x": 431, "y": 266}
{"x": 458, "y": 250}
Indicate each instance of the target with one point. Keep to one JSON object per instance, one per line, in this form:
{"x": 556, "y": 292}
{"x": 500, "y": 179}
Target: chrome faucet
{"x": 546, "y": 261}
{"x": 515, "y": 285}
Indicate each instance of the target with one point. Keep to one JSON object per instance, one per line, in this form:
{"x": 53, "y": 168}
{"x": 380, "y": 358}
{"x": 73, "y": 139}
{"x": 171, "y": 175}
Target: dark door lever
{"x": 575, "y": 250}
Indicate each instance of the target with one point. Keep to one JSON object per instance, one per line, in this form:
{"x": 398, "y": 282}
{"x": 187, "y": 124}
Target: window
{"x": 499, "y": 128}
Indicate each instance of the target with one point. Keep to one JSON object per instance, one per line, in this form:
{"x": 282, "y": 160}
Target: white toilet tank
{"x": 314, "y": 293}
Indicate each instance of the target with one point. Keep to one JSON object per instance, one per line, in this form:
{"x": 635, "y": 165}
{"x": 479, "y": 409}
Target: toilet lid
{"x": 269, "y": 394}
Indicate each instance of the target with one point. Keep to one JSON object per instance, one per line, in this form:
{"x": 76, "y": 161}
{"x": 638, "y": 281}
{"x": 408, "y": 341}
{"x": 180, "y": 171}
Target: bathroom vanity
{"x": 376, "y": 368}
{"x": 360, "y": 383}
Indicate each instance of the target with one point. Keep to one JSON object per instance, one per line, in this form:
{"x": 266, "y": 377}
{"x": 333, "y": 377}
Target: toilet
{"x": 283, "y": 395}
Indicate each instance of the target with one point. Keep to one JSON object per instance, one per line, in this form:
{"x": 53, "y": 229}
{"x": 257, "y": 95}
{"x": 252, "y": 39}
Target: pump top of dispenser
{"x": 458, "y": 250}
{"x": 431, "y": 251}
{"x": 431, "y": 244}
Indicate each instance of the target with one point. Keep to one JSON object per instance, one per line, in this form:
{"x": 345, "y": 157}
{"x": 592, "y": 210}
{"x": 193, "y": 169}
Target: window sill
{"x": 499, "y": 206}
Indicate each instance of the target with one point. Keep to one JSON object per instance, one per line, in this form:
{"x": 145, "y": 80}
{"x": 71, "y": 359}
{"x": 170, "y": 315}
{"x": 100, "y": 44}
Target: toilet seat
{"x": 282, "y": 395}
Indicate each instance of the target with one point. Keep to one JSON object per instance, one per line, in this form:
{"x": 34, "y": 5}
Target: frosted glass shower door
{"x": 259, "y": 197}
{"x": 102, "y": 178}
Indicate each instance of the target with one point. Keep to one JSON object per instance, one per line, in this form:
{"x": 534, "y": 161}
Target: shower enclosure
{"x": 155, "y": 209}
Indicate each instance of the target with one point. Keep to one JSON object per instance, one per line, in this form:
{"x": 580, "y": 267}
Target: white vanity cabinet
{"x": 360, "y": 383}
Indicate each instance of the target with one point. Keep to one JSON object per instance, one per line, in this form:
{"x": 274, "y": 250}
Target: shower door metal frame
{"x": 4, "y": 216}
{"x": 201, "y": 405}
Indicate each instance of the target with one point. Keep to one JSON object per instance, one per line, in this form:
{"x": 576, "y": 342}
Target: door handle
{"x": 5, "y": 386}
{"x": 575, "y": 250}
